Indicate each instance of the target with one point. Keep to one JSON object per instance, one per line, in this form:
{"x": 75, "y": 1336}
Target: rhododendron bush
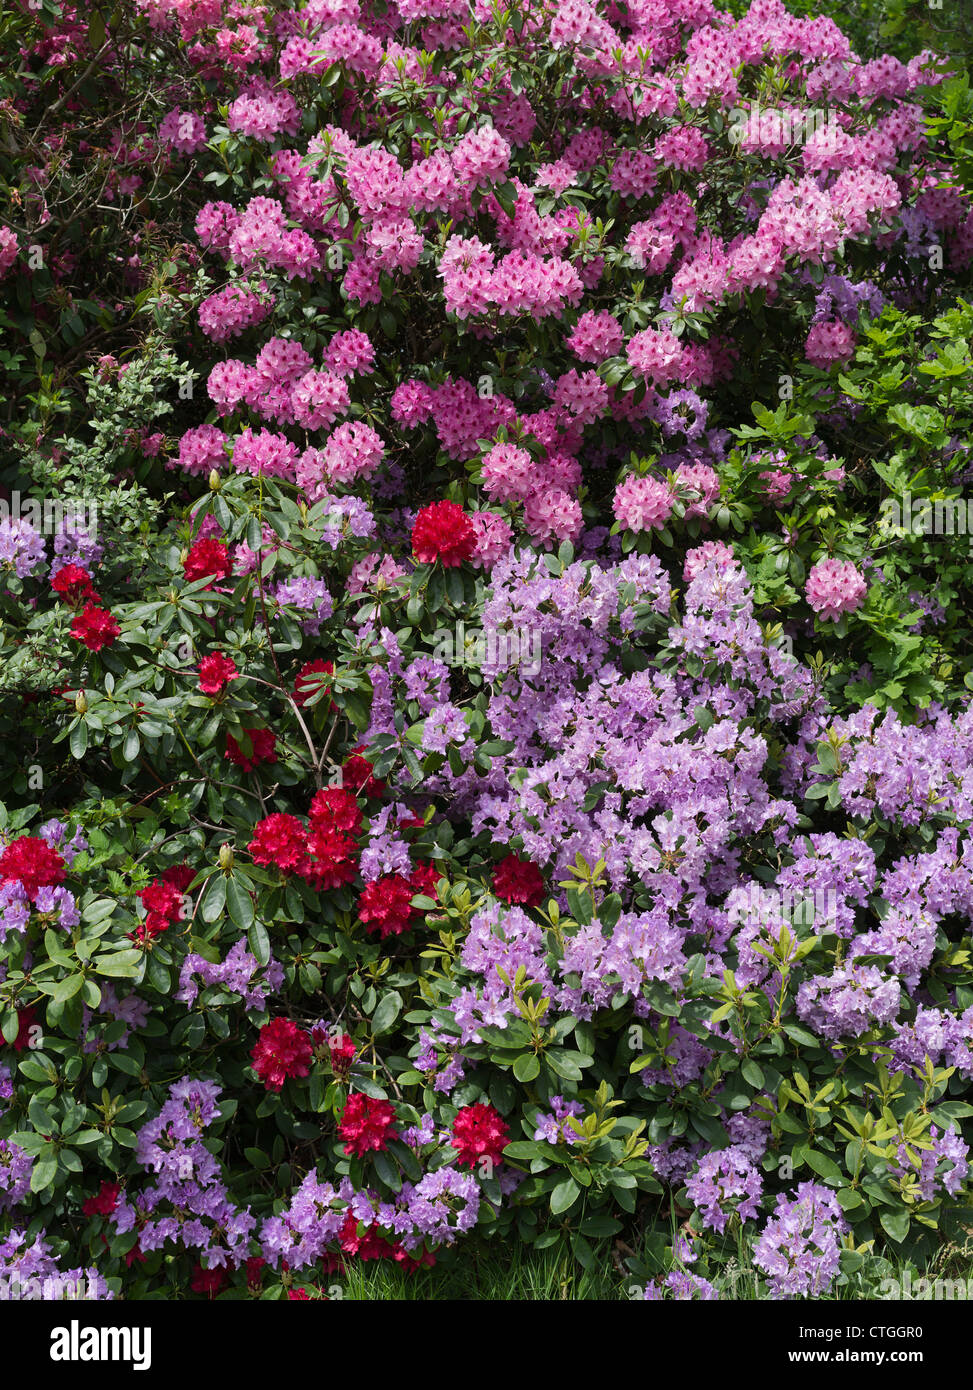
{"x": 488, "y": 753}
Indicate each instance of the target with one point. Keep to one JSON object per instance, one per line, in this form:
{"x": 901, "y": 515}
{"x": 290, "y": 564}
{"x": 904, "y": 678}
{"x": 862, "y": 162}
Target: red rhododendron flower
{"x": 370, "y": 1245}
{"x": 207, "y": 557}
{"x": 385, "y": 906}
{"x": 163, "y": 900}
{"x": 343, "y": 1052}
{"x": 26, "y": 1021}
{"x": 304, "y": 688}
{"x": 365, "y": 1124}
{"x": 356, "y": 773}
{"x": 215, "y": 671}
{"x": 32, "y": 863}
{"x": 333, "y": 808}
{"x": 263, "y": 743}
{"x": 104, "y": 1201}
{"x": 95, "y": 627}
{"x": 332, "y": 859}
{"x": 410, "y": 1263}
{"x": 279, "y": 839}
{"x": 179, "y": 876}
{"x": 210, "y": 1281}
{"x": 425, "y": 878}
{"x": 298, "y": 1296}
{"x": 282, "y": 1050}
{"x": 444, "y": 532}
{"x": 74, "y": 584}
{"x": 479, "y": 1132}
{"x": 254, "y": 1265}
{"x": 518, "y": 880}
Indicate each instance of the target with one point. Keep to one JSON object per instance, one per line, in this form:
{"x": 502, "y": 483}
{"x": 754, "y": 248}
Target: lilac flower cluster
{"x": 31, "y": 1271}
{"x": 54, "y": 832}
{"x": 556, "y": 1128}
{"x": 946, "y": 1039}
{"x": 310, "y": 1224}
{"x": 725, "y": 1182}
{"x": 942, "y": 1167}
{"x": 387, "y": 851}
{"x": 74, "y": 544}
{"x": 672, "y": 801}
{"x": 442, "y": 1205}
{"x": 904, "y": 773}
{"x": 848, "y": 1002}
{"x": 306, "y": 595}
{"x": 346, "y": 516}
{"x": 798, "y": 1248}
{"x": 21, "y": 546}
{"x": 440, "y": 1060}
{"x": 841, "y": 298}
{"x": 682, "y": 1286}
{"x": 237, "y": 972}
{"x": 53, "y": 906}
{"x": 16, "y": 1167}
{"x": 188, "y": 1203}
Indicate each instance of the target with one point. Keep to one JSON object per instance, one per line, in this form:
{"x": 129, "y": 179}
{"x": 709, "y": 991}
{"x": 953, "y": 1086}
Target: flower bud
{"x": 215, "y": 482}
{"x": 226, "y": 858}
{"x": 80, "y": 703}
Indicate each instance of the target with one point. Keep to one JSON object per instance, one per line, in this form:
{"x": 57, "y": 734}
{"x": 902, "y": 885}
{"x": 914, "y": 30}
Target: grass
{"x": 482, "y": 1272}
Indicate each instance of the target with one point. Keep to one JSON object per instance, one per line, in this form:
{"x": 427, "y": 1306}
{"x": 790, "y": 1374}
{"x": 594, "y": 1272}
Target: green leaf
{"x": 896, "y": 1225}
{"x": 849, "y": 1198}
{"x": 214, "y": 899}
{"x": 825, "y": 1167}
{"x": 124, "y": 1061}
{"x": 386, "y": 1013}
{"x": 118, "y": 964}
{"x": 524, "y": 1149}
{"x": 527, "y": 1066}
{"x": 259, "y": 941}
{"x": 239, "y": 904}
{"x": 564, "y": 1196}
{"x": 45, "y": 1171}
{"x": 66, "y": 989}
{"x": 800, "y": 1035}
{"x": 78, "y": 741}
{"x": 753, "y": 1074}
{"x": 387, "y": 1171}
